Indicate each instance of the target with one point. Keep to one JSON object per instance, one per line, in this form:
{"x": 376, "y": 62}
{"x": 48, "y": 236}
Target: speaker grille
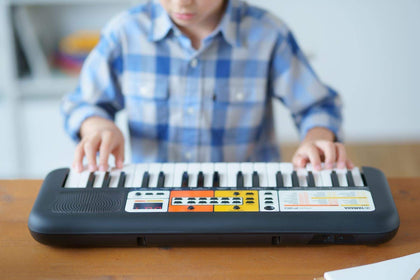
{"x": 88, "y": 201}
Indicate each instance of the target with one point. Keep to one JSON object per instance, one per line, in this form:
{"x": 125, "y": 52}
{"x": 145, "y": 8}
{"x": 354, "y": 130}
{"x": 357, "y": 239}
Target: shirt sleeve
{"x": 98, "y": 92}
{"x": 293, "y": 81}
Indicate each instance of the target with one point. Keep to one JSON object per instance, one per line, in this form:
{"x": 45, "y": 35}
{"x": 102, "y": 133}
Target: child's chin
{"x": 183, "y": 21}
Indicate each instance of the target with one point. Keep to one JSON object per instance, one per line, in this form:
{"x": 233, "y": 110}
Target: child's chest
{"x": 216, "y": 73}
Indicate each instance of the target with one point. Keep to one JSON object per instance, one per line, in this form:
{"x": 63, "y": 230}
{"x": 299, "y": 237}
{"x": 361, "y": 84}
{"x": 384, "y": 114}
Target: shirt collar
{"x": 161, "y": 23}
{"x": 229, "y": 24}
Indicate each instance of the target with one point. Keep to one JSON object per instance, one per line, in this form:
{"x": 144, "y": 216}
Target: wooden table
{"x": 21, "y": 257}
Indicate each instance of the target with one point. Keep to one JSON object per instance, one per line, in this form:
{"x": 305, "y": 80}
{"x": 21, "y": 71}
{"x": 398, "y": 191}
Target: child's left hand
{"x": 319, "y": 146}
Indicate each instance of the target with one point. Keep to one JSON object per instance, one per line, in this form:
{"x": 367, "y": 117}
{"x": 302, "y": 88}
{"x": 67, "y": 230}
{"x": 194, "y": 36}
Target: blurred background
{"x": 369, "y": 51}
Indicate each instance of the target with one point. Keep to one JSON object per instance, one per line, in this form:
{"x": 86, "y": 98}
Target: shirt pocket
{"x": 239, "y": 105}
{"x": 152, "y": 88}
{"x": 146, "y": 101}
{"x": 240, "y": 93}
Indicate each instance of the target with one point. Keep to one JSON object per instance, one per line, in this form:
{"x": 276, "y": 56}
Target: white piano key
{"x": 154, "y": 169}
{"x": 326, "y": 177}
{"x": 168, "y": 170}
{"x": 247, "y": 169}
{"x": 302, "y": 173}
{"x": 140, "y": 168}
{"x": 272, "y": 169}
{"x": 72, "y": 180}
{"x": 317, "y": 178}
{"x": 261, "y": 169}
{"x": 99, "y": 178}
{"x": 208, "y": 170}
{"x": 83, "y": 179}
{"x": 227, "y": 173}
{"x": 115, "y": 177}
{"x": 357, "y": 177}
{"x": 221, "y": 168}
{"x": 193, "y": 169}
{"x": 232, "y": 172}
{"x": 341, "y": 175}
{"x": 286, "y": 170}
{"x": 129, "y": 170}
{"x": 179, "y": 169}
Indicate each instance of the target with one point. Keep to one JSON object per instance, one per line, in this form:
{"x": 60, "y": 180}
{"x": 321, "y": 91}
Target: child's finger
{"x": 78, "y": 157}
{"x": 314, "y": 157}
{"x": 349, "y": 164}
{"x": 299, "y": 160}
{"x": 341, "y": 156}
{"x": 104, "y": 152}
{"x": 91, "y": 147}
{"x": 119, "y": 156}
{"x": 329, "y": 150}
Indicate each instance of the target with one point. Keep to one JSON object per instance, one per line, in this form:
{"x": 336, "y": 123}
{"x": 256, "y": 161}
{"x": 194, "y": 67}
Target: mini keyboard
{"x": 184, "y": 203}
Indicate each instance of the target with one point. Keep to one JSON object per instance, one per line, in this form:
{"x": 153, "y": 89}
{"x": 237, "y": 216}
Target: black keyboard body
{"x": 97, "y": 217}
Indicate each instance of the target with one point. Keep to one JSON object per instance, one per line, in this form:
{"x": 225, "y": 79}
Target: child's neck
{"x": 196, "y": 36}
{"x": 197, "y": 32}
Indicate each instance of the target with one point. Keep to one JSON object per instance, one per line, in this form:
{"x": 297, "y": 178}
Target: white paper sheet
{"x": 402, "y": 268}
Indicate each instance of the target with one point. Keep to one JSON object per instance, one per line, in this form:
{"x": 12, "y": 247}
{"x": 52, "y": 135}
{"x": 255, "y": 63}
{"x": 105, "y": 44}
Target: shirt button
{"x": 144, "y": 90}
{"x": 194, "y": 63}
{"x": 190, "y": 110}
{"x": 188, "y": 155}
{"x": 240, "y": 96}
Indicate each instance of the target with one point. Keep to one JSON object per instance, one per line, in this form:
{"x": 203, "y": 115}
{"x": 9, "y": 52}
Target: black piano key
{"x": 200, "y": 179}
{"x": 91, "y": 180}
{"x": 107, "y": 179}
{"x": 255, "y": 179}
{"x": 350, "y": 180}
{"x": 279, "y": 179}
{"x": 240, "y": 179}
{"x": 145, "y": 181}
{"x": 161, "y": 180}
{"x": 121, "y": 180}
{"x": 216, "y": 179}
{"x": 295, "y": 179}
{"x": 311, "y": 179}
{"x": 334, "y": 179}
{"x": 185, "y": 179}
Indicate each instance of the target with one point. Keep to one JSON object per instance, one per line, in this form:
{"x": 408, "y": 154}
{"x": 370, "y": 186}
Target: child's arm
{"x": 319, "y": 146}
{"x": 99, "y": 135}
{"x": 89, "y": 111}
{"x": 315, "y": 107}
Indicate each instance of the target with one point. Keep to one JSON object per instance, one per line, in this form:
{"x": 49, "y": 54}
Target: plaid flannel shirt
{"x": 211, "y": 104}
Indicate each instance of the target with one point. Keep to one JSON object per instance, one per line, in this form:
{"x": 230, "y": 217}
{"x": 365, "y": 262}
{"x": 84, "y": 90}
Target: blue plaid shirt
{"x": 211, "y": 104}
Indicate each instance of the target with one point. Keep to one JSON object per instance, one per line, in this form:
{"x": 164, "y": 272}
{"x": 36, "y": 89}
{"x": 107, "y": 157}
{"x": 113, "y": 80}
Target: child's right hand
{"x": 99, "y": 134}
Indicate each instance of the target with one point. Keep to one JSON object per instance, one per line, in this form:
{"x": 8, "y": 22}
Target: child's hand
{"x": 99, "y": 134}
{"x": 319, "y": 146}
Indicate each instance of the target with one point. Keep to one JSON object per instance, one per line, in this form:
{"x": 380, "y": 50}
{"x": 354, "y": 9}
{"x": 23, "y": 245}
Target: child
{"x": 197, "y": 79}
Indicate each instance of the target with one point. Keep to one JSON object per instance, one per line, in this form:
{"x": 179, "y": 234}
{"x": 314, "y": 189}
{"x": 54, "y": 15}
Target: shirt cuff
{"x": 78, "y": 116}
{"x": 321, "y": 120}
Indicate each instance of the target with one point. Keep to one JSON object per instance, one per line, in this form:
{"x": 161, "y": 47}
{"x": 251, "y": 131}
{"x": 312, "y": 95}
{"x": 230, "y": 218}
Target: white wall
{"x": 370, "y": 52}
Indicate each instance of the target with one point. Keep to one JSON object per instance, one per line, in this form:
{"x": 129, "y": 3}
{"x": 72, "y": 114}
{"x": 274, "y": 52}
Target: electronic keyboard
{"x": 170, "y": 204}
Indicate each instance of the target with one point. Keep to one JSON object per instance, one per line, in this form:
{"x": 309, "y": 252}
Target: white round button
{"x": 188, "y": 155}
{"x": 190, "y": 110}
{"x": 194, "y": 63}
{"x": 240, "y": 96}
{"x": 145, "y": 91}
